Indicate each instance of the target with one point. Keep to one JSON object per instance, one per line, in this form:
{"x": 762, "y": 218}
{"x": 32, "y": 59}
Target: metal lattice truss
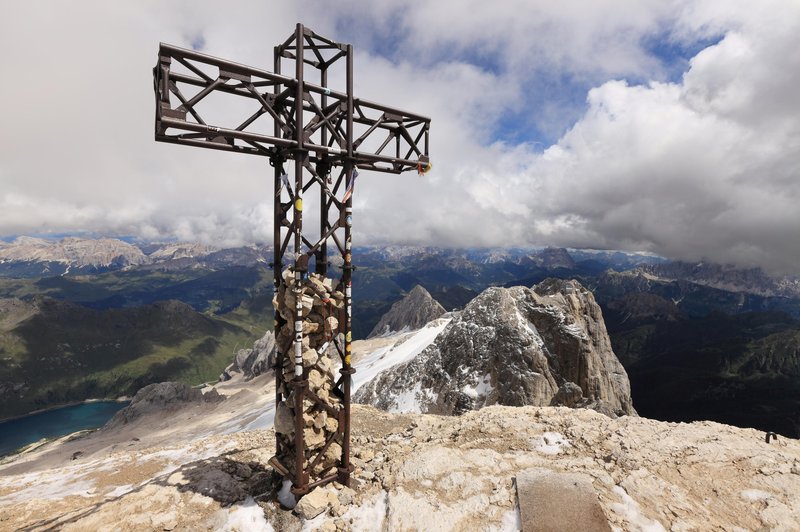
{"x": 315, "y": 137}
{"x": 384, "y": 139}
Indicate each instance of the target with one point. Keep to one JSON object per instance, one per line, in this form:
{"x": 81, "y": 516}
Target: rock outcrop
{"x": 410, "y": 313}
{"x": 539, "y": 346}
{"x": 254, "y": 361}
{"x": 161, "y": 397}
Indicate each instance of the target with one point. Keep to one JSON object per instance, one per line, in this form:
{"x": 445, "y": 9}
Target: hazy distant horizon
{"x": 670, "y": 127}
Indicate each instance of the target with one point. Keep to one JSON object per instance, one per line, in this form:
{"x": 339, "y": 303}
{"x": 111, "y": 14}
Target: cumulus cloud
{"x": 553, "y": 123}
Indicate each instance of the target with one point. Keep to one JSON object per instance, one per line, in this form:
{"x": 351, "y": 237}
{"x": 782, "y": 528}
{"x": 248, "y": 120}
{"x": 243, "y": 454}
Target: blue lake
{"x": 54, "y": 423}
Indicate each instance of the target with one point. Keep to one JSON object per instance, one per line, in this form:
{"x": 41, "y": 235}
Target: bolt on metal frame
{"x": 323, "y": 132}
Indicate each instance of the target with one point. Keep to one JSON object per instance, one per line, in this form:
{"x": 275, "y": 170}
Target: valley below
{"x": 698, "y": 342}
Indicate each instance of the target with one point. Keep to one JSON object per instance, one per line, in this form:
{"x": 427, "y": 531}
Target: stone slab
{"x": 553, "y": 502}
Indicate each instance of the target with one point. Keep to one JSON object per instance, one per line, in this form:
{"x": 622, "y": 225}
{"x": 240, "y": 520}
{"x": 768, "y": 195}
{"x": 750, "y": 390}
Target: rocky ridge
{"x": 412, "y": 312}
{"x": 726, "y": 277}
{"x": 79, "y": 252}
{"x": 512, "y": 346}
{"x": 253, "y": 361}
{"x": 29, "y": 256}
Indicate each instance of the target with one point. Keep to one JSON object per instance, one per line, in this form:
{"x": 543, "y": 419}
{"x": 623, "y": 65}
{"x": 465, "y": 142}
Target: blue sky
{"x": 663, "y": 126}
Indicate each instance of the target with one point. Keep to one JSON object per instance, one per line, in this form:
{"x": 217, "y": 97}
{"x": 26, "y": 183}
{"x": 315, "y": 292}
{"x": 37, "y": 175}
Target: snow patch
{"x": 51, "y": 488}
{"x": 57, "y": 483}
{"x": 755, "y": 495}
{"x": 389, "y": 332}
{"x": 511, "y": 521}
{"x": 265, "y": 420}
{"x": 574, "y": 329}
{"x": 382, "y": 359}
{"x": 483, "y": 388}
{"x": 285, "y": 495}
{"x": 551, "y": 443}
{"x": 246, "y": 516}
{"x": 180, "y": 456}
{"x": 407, "y": 401}
{"x": 312, "y": 525}
{"x": 369, "y": 515}
{"x": 629, "y": 509}
{"x": 537, "y": 338}
{"x": 119, "y": 491}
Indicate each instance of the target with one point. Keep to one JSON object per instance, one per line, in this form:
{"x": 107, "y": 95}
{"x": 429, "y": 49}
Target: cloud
{"x": 552, "y": 123}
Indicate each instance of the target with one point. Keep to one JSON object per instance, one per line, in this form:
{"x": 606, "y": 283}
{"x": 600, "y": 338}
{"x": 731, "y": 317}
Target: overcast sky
{"x": 664, "y": 126}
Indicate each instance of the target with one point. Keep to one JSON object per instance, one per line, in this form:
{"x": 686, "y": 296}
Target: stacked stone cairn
{"x": 323, "y": 312}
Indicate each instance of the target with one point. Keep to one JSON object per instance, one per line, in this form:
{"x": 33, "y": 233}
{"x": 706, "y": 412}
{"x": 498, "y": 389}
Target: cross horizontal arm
{"x": 185, "y": 82}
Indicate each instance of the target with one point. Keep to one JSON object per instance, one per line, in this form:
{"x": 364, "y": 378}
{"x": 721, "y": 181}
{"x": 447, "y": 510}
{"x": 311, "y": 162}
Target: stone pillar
{"x": 316, "y": 312}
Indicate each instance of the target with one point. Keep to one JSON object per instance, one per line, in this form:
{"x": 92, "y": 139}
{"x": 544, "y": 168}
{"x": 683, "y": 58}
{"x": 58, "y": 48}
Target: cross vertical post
{"x": 323, "y": 137}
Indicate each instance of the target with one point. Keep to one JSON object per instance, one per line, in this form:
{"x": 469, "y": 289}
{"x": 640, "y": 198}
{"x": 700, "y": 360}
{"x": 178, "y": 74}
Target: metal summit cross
{"x": 319, "y": 136}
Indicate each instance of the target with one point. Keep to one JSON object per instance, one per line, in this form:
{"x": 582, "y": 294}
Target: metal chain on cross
{"x": 316, "y": 137}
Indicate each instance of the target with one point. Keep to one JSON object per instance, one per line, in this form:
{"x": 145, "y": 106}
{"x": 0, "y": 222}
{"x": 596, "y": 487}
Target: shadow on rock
{"x": 225, "y": 480}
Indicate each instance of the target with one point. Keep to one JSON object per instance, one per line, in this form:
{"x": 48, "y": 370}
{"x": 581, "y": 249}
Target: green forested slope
{"x": 54, "y": 352}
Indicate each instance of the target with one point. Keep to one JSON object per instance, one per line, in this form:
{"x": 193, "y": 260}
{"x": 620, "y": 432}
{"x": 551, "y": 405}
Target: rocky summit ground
{"x": 204, "y": 467}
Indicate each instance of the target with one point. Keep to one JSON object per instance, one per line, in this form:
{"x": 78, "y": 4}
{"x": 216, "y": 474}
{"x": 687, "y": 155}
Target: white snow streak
{"x": 369, "y": 515}
{"x": 246, "y": 516}
{"x": 382, "y": 359}
{"x": 551, "y": 443}
{"x": 630, "y": 510}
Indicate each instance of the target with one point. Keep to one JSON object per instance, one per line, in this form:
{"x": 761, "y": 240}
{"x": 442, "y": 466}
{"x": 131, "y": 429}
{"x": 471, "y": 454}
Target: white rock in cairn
{"x": 323, "y": 312}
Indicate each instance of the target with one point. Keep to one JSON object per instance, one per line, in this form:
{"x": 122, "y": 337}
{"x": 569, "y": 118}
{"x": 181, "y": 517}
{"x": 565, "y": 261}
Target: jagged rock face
{"x": 254, "y": 361}
{"x": 513, "y": 346}
{"x": 412, "y": 312}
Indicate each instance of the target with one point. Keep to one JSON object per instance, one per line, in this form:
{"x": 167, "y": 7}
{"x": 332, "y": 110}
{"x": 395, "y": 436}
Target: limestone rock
{"x": 284, "y": 419}
{"x": 255, "y": 360}
{"x": 314, "y": 503}
{"x": 412, "y": 312}
{"x": 315, "y": 438}
{"x": 568, "y": 394}
{"x": 512, "y": 346}
{"x": 310, "y": 357}
{"x": 320, "y": 328}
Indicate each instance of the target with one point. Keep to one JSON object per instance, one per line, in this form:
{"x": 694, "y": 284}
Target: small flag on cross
{"x": 349, "y": 191}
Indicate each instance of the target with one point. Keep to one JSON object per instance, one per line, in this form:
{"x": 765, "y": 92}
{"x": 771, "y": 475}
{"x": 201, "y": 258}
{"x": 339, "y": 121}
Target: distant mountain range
{"x": 37, "y": 257}
{"x": 699, "y": 341}
{"x": 728, "y": 278}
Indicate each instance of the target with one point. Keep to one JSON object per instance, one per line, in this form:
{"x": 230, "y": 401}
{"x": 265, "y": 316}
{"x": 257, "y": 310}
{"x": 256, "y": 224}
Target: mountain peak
{"x": 552, "y": 258}
{"x": 512, "y": 346}
{"x": 412, "y": 312}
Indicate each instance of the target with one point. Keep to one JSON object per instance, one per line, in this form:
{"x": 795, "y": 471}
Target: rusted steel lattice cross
{"x": 315, "y": 137}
